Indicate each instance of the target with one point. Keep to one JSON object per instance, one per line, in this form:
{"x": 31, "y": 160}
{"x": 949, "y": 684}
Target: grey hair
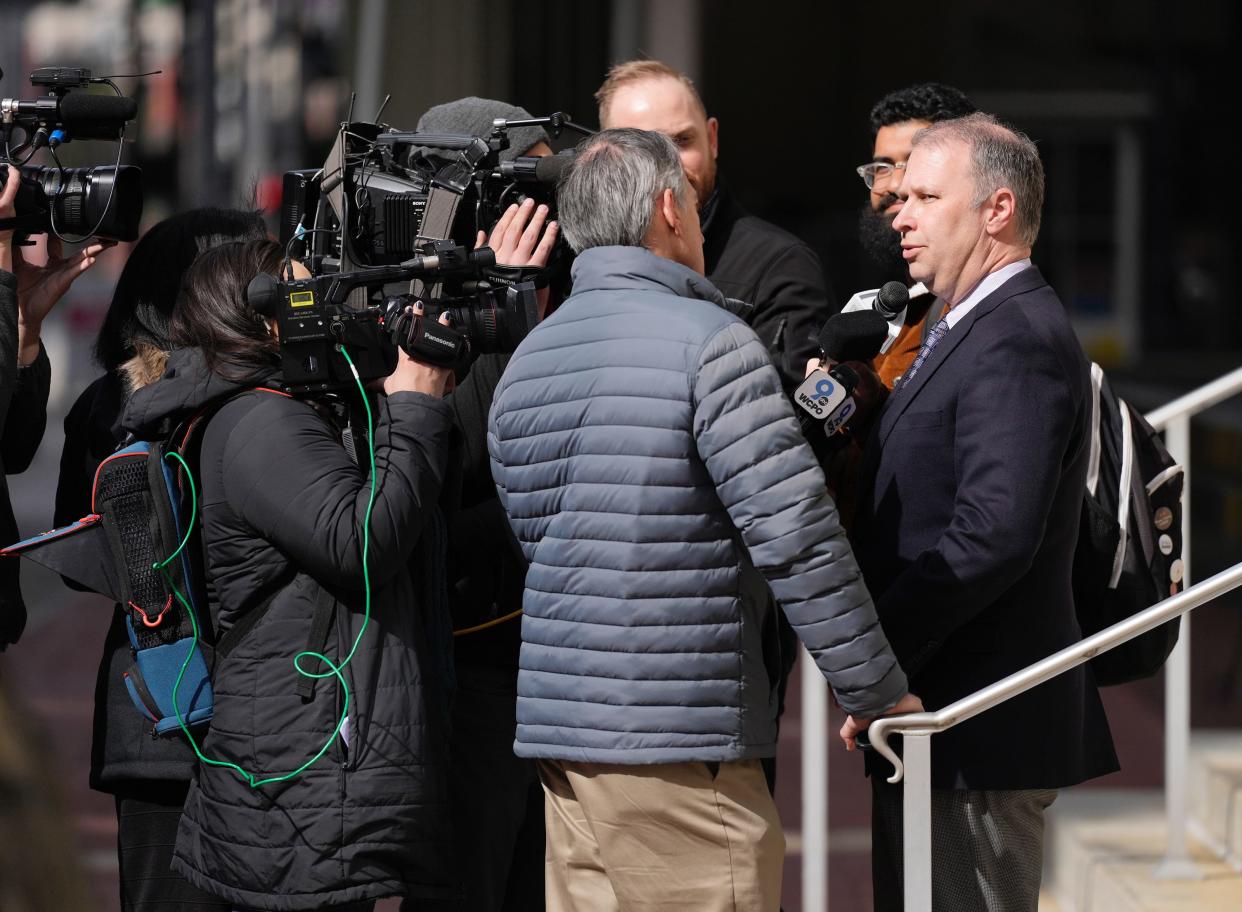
{"x": 1000, "y": 156}
{"x": 607, "y": 194}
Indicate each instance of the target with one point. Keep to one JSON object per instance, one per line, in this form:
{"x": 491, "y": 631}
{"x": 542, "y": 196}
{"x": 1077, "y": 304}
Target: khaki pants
{"x": 673, "y": 836}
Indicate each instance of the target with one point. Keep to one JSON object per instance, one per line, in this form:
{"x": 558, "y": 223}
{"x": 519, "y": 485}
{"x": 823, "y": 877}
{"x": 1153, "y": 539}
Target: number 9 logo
{"x": 824, "y": 388}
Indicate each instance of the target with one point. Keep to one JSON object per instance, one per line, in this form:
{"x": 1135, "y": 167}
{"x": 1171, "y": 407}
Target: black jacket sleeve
{"x": 791, "y": 304}
{"x": 12, "y": 609}
{"x": 27, "y": 418}
{"x": 8, "y": 339}
{"x": 287, "y": 475}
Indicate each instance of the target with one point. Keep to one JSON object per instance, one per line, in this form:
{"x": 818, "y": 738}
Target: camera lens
{"x": 480, "y": 322}
{"x": 82, "y": 198}
{"x": 497, "y": 319}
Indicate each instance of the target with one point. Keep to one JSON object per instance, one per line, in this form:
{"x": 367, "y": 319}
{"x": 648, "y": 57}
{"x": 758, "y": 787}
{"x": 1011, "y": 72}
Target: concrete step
{"x": 1216, "y": 792}
{"x": 1102, "y": 850}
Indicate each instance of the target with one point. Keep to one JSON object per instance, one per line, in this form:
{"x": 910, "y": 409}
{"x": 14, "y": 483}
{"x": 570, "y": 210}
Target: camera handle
{"x": 555, "y": 122}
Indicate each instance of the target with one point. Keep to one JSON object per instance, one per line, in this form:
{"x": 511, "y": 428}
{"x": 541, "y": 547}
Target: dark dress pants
{"x": 987, "y": 848}
{"x": 147, "y": 814}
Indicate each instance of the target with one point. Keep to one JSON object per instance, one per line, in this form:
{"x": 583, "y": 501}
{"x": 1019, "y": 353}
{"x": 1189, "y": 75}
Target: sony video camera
{"x": 100, "y": 200}
{"x": 383, "y": 193}
{"x": 389, "y": 207}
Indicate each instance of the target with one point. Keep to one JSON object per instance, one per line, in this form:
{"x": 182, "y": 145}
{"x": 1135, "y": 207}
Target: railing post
{"x": 1177, "y": 864}
{"x": 814, "y": 787}
{"x": 916, "y": 822}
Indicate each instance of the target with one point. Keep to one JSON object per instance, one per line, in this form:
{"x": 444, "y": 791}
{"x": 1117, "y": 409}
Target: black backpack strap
{"x": 238, "y": 631}
{"x": 317, "y": 640}
{"x": 325, "y": 602}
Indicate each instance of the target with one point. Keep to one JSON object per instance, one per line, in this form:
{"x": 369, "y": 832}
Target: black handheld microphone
{"x": 889, "y": 302}
{"x": 825, "y": 397}
{"x": 86, "y": 116}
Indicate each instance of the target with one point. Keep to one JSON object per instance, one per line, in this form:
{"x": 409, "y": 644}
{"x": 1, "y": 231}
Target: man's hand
{"x": 516, "y": 236}
{"x": 38, "y": 287}
{"x": 869, "y": 397}
{"x": 854, "y": 727}
{"x": 412, "y": 376}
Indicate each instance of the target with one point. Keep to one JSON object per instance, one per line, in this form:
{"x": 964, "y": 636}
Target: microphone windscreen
{"x": 891, "y": 300}
{"x": 853, "y": 336}
{"x": 88, "y": 116}
{"x": 549, "y": 168}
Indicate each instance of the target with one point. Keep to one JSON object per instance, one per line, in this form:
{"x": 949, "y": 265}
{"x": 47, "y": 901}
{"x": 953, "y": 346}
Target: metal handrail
{"x": 1197, "y": 400}
{"x": 918, "y": 728}
{"x": 1057, "y": 663}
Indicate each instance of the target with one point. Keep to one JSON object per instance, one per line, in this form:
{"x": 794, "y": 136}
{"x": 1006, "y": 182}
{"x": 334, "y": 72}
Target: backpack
{"x": 141, "y": 546}
{"x": 1129, "y": 551}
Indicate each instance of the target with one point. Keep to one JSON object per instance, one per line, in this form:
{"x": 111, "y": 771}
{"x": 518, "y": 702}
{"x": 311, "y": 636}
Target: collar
{"x": 636, "y": 268}
{"x": 986, "y": 286}
{"x": 707, "y": 211}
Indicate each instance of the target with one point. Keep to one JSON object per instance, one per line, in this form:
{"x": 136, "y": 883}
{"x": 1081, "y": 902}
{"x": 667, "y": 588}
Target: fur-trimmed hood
{"x": 184, "y": 386}
{"x": 144, "y": 368}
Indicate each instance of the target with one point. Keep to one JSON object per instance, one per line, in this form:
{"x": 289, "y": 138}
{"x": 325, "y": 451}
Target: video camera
{"x": 388, "y": 207}
{"x": 99, "y": 200}
{"x": 316, "y": 320}
{"x": 383, "y": 193}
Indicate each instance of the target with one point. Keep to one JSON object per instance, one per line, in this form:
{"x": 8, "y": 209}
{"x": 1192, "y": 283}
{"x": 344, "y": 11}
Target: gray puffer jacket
{"x": 650, "y": 465}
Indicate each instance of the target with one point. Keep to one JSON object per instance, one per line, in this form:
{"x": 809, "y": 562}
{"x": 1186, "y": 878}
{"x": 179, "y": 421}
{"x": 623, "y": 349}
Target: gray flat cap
{"x": 473, "y": 116}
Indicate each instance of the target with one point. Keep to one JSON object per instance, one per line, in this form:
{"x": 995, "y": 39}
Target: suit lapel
{"x": 1025, "y": 281}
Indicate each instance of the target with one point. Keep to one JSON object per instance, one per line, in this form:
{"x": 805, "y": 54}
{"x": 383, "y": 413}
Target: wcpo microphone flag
{"x": 825, "y": 397}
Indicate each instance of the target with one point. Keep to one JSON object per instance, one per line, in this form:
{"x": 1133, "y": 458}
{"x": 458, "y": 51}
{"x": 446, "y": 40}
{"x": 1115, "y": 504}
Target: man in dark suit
{"x": 972, "y": 482}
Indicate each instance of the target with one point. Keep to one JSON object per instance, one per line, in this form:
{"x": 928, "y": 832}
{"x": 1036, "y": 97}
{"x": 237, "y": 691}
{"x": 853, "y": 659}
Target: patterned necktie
{"x": 937, "y": 333}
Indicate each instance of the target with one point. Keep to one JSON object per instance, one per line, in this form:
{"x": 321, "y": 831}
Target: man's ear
{"x": 670, "y": 211}
{"x": 713, "y": 136}
{"x": 1001, "y": 209}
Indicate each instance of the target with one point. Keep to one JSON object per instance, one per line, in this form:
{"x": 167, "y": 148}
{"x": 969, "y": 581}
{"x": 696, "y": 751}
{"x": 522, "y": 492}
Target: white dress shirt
{"x": 989, "y": 284}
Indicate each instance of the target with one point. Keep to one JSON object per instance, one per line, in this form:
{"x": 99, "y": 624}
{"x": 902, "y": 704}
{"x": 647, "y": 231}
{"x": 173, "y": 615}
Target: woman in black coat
{"x": 291, "y": 524}
{"x": 147, "y": 776}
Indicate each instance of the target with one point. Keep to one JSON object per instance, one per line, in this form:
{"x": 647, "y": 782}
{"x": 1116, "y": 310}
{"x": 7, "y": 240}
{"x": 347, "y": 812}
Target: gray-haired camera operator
{"x": 655, "y": 476}
{"x": 27, "y": 295}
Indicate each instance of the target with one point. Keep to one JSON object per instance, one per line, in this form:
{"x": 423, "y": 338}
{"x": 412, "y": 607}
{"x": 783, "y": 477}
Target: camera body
{"x": 100, "y": 200}
{"x": 384, "y": 193}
